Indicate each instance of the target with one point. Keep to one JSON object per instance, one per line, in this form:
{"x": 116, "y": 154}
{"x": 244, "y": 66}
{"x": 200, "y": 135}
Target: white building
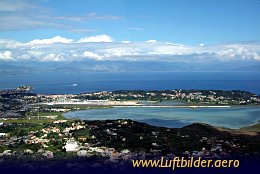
{"x": 72, "y": 146}
{"x": 4, "y": 135}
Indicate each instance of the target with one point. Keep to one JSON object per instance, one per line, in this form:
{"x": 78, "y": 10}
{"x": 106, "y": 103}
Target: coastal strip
{"x": 170, "y": 106}
{"x": 131, "y": 104}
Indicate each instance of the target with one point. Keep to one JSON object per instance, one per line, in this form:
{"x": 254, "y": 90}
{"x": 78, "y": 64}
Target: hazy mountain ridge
{"x": 248, "y": 68}
{"x": 121, "y": 66}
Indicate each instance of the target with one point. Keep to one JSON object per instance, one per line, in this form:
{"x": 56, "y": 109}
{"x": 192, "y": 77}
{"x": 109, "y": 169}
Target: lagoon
{"x": 234, "y": 117}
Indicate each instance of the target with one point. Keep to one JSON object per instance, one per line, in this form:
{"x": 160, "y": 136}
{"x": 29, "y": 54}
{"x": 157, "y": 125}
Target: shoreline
{"x": 170, "y": 106}
{"x": 132, "y": 104}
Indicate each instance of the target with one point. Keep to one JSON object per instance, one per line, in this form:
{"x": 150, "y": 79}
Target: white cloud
{"x": 91, "y": 55}
{"x": 151, "y": 41}
{"x": 6, "y": 55}
{"x": 202, "y": 45}
{"x": 239, "y": 51}
{"x": 126, "y": 41}
{"x": 52, "y": 58}
{"x": 120, "y": 52}
{"x": 94, "y": 47}
{"x": 56, "y": 39}
{"x": 98, "y": 38}
{"x": 35, "y": 53}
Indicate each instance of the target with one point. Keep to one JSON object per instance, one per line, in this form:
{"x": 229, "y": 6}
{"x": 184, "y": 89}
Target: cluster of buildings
{"x": 57, "y": 137}
{"x": 216, "y": 149}
{"x": 108, "y": 140}
{"x": 202, "y": 96}
{"x": 14, "y": 102}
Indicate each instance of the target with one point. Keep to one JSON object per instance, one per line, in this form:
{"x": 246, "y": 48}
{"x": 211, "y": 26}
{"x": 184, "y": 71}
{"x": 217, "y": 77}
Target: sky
{"x": 129, "y": 30}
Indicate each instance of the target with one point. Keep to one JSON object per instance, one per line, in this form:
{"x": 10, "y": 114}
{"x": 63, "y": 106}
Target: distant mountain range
{"x": 248, "y": 68}
{"x": 122, "y": 66}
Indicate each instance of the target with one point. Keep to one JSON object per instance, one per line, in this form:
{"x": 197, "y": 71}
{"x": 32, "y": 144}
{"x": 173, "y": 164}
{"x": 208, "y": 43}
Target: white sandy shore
{"x": 95, "y": 102}
{"x": 131, "y": 104}
{"x": 174, "y": 106}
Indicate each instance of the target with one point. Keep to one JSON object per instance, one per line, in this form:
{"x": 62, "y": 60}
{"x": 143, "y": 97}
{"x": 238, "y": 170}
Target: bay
{"x": 234, "y": 117}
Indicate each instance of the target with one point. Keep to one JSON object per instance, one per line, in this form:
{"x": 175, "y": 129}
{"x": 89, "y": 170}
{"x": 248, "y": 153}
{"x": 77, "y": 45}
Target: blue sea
{"x": 62, "y": 83}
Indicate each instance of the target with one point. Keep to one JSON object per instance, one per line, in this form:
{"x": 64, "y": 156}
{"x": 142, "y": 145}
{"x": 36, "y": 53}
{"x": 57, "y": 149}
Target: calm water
{"x": 89, "y": 82}
{"x": 176, "y": 117}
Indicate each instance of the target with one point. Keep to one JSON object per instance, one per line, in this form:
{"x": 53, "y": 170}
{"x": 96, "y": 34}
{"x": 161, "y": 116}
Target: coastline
{"x": 131, "y": 104}
{"x": 164, "y": 106}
